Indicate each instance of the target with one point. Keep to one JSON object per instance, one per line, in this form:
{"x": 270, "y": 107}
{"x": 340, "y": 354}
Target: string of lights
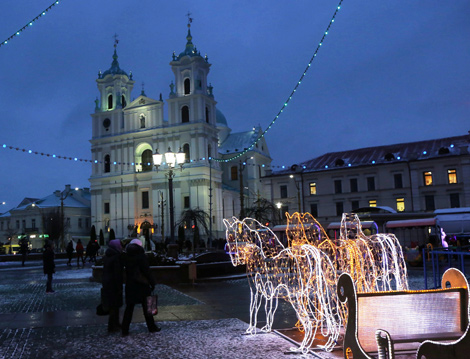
{"x": 29, "y": 24}
{"x": 299, "y": 82}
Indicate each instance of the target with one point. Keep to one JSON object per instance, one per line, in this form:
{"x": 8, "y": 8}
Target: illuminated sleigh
{"x": 304, "y": 273}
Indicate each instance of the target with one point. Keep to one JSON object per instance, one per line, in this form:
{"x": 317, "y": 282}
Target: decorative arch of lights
{"x": 304, "y": 272}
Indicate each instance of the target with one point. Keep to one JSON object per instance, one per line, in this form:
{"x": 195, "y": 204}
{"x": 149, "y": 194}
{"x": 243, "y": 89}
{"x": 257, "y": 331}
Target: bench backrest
{"x": 409, "y": 313}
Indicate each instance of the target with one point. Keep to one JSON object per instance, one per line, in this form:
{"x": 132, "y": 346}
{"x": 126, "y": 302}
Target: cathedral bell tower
{"x": 191, "y": 98}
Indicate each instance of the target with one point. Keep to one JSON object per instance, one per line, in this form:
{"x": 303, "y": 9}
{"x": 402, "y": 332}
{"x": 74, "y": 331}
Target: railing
{"x": 453, "y": 253}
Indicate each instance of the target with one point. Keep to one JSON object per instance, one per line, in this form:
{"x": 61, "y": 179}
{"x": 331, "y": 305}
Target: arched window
{"x": 107, "y": 163}
{"x": 185, "y": 114}
{"x": 147, "y": 161}
{"x": 209, "y": 151}
{"x": 187, "y": 86}
{"x": 207, "y": 114}
{"x": 110, "y": 102}
{"x": 123, "y": 101}
{"x": 186, "y": 152}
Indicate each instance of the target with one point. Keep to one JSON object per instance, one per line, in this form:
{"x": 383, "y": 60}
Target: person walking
{"x": 48, "y": 265}
{"x": 69, "y": 251}
{"x": 112, "y": 280}
{"x": 24, "y": 248}
{"x": 139, "y": 284}
{"x": 79, "y": 249}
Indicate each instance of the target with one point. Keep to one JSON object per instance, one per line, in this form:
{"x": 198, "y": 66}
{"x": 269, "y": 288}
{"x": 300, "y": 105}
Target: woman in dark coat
{"x": 112, "y": 283}
{"x": 48, "y": 265}
{"x": 139, "y": 285}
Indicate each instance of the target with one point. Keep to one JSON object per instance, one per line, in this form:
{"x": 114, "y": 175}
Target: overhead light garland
{"x": 29, "y": 24}
{"x": 338, "y": 7}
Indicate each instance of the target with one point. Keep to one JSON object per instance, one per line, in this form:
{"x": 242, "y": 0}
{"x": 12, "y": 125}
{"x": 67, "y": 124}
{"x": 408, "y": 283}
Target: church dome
{"x": 220, "y": 118}
{"x": 114, "y": 69}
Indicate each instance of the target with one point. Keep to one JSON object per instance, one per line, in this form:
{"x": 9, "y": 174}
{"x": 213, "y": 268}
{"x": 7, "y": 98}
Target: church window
{"x": 187, "y": 86}
{"x": 185, "y": 114}
{"x": 207, "y": 114}
{"x": 110, "y": 102}
{"x": 145, "y": 200}
{"x": 142, "y": 121}
{"x": 123, "y": 101}
{"x": 209, "y": 151}
{"x": 147, "y": 161}
{"x": 186, "y": 152}
{"x": 107, "y": 163}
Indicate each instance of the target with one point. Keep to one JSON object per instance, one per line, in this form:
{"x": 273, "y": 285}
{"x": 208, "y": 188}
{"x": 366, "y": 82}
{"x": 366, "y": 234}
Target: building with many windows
{"x": 36, "y": 217}
{"x": 129, "y": 194}
{"x": 393, "y": 182}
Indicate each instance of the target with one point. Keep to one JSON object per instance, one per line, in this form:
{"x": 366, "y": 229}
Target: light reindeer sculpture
{"x": 300, "y": 274}
{"x": 305, "y": 272}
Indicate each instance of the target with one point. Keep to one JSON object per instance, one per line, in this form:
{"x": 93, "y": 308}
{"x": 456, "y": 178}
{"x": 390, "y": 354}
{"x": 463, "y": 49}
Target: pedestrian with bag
{"x": 48, "y": 265}
{"x": 111, "y": 293}
{"x": 139, "y": 285}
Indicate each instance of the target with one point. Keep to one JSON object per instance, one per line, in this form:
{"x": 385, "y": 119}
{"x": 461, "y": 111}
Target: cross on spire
{"x": 190, "y": 19}
{"x": 116, "y": 41}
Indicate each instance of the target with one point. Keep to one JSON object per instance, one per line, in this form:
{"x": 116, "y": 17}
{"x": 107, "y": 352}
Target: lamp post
{"x": 172, "y": 159}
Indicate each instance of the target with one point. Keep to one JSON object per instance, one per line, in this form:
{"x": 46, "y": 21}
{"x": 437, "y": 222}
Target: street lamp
{"x": 279, "y": 206}
{"x": 172, "y": 159}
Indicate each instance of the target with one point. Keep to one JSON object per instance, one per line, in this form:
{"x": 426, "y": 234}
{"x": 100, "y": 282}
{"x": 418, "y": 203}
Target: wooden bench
{"x": 431, "y": 323}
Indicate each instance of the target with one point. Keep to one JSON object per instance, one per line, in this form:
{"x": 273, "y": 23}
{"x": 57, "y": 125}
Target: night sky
{"x": 388, "y": 72}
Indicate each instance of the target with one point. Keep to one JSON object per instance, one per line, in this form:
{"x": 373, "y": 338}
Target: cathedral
{"x": 132, "y": 195}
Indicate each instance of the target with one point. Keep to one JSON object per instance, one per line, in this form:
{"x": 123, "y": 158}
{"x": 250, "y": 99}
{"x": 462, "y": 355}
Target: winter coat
{"x": 48, "y": 261}
{"x": 69, "y": 248}
{"x": 139, "y": 280}
{"x": 79, "y": 249}
{"x": 111, "y": 295}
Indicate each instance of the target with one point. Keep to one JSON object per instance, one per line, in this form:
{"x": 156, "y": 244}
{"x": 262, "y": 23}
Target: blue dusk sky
{"x": 388, "y": 72}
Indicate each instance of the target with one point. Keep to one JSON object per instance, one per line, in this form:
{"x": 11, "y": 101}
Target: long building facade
{"x": 129, "y": 193}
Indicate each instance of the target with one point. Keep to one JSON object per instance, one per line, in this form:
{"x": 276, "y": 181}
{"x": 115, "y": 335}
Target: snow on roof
{"x": 238, "y": 142}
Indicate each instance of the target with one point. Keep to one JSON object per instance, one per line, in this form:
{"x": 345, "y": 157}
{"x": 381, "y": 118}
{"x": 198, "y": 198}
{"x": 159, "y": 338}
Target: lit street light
{"x": 172, "y": 159}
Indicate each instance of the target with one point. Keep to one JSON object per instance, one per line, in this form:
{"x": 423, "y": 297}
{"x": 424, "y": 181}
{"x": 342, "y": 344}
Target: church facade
{"x": 128, "y": 193}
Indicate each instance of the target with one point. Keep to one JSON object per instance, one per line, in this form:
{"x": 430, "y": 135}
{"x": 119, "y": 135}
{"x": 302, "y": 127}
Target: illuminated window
{"x": 313, "y": 188}
{"x": 187, "y": 86}
{"x": 185, "y": 114}
{"x": 452, "y": 176}
{"x": 373, "y": 203}
{"x": 234, "y": 173}
{"x": 353, "y": 184}
{"x": 427, "y": 178}
{"x": 400, "y": 204}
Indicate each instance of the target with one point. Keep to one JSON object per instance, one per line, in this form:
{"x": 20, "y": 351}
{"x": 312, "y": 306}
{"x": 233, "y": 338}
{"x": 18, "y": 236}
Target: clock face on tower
{"x": 106, "y": 123}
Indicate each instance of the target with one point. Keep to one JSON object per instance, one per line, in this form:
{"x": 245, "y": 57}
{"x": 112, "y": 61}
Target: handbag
{"x": 152, "y": 304}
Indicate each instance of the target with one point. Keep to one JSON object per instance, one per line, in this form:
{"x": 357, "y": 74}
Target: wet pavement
{"x": 204, "y": 320}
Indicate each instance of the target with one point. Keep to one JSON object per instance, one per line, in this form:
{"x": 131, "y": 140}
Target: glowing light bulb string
{"x": 29, "y": 24}
{"x": 338, "y": 7}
